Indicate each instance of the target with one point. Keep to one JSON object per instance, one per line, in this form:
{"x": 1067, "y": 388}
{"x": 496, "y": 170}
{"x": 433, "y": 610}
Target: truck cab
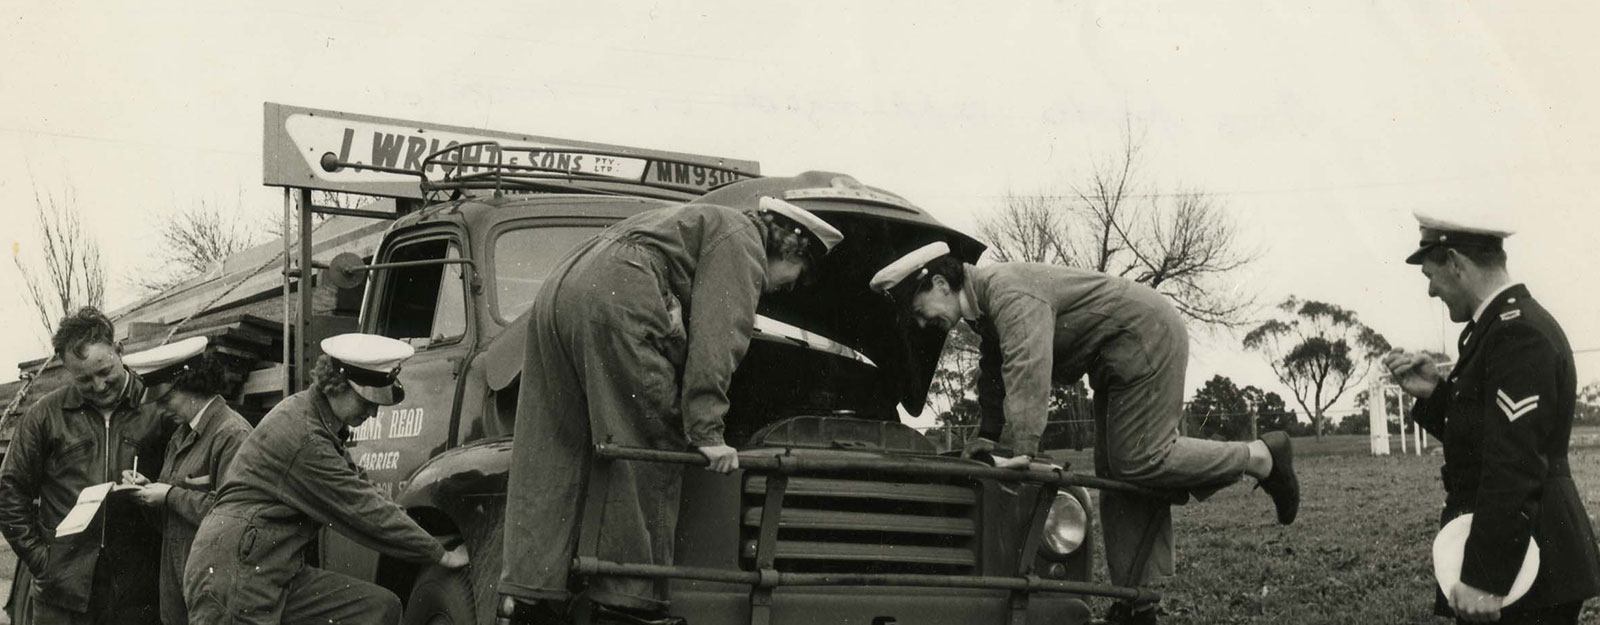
{"x": 842, "y": 514}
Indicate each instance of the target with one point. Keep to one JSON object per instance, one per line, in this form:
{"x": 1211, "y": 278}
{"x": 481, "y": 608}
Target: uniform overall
{"x": 107, "y": 573}
{"x": 290, "y": 478}
{"x": 1041, "y": 324}
{"x": 632, "y": 341}
{"x": 1505, "y": 416}
{"x": 195, "y": 462}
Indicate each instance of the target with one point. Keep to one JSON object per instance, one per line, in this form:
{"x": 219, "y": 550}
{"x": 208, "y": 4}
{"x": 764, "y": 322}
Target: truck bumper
{"x": 878, "y": 606}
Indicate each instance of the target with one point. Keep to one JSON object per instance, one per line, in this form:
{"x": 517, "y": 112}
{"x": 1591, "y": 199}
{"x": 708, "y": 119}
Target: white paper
{"x": 78, "y": 518}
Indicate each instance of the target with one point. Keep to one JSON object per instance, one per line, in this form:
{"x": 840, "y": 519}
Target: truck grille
{"x": 831, "y": 525}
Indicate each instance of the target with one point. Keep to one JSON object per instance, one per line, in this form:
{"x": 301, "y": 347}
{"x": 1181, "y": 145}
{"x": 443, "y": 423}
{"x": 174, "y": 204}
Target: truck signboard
{"x": 351, "y": 153}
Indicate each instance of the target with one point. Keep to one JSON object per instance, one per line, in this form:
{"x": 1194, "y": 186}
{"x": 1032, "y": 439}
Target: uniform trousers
{"x": 603, "y": 356}
{"x": 317, "y": 597}
{"x": 1137, "y": 413}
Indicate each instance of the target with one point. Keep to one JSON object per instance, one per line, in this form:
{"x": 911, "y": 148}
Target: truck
{"x": 840, "y": 513}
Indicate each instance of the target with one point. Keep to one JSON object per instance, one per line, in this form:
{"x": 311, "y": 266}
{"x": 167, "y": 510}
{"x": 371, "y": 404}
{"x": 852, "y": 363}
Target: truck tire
{"x": 440, "y": 597}
{"x": 466, "y": 596}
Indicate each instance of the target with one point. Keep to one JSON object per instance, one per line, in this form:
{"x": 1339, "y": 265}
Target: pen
{"x": 136, "y": 465}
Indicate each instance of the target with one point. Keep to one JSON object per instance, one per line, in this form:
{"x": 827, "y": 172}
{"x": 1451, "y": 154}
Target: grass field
{"x": 1359, "y": 552}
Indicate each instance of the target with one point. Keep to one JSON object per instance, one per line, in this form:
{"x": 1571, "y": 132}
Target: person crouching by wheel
{"x": 293, "y": 476}
{"x": 633, "y": 341}
{"x": 185, "y": 385}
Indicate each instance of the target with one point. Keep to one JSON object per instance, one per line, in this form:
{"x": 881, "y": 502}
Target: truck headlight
{"x": 1065, "y": 526}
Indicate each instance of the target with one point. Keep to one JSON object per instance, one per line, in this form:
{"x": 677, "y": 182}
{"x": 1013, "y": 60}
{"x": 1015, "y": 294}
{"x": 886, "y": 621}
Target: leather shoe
{"x": 1280, "y": 483}
{"x": 609, "y": 615}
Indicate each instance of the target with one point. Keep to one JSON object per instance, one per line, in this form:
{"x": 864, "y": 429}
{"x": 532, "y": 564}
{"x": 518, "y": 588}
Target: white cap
{"x": 1457, "y": 229}
{"x": 1450, "y": 548}
{"x": 824, "y": 233}
{"x": 157, "y": 365}
{"x": 371, "y": 363}
{"x": 1461, "y": 221}
{"x": 907, "y": 266}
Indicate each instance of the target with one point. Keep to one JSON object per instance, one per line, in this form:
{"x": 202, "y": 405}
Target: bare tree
{"x": 69, "y": 272}
{"x": 1029, "y": 229}
{"x": 1318, "y": 350}
{"x": 1182, "y": 244}
{"x": 194, "y": 240}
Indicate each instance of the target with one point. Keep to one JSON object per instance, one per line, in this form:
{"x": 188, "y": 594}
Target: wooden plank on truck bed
{"x": 262, "y": 381}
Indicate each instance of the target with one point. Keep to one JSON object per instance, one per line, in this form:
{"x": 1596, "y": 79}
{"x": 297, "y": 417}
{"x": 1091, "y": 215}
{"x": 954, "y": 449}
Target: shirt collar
{"x": 969, "y": 299}
{"x": 1484, "y": 305}
{"x": 194, "y": 424}
{"x": 330, "y": 421}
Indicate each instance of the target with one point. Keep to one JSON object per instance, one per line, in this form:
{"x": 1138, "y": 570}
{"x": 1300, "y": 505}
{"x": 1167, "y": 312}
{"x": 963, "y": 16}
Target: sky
{"x": 1319, "y": 127}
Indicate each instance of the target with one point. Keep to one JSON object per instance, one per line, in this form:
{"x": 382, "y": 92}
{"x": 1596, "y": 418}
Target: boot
{"x": 1281, "y": 484}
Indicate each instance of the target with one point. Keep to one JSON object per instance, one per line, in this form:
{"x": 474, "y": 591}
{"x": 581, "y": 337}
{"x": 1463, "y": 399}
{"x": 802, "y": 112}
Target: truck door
{"x": 426, "y": 307}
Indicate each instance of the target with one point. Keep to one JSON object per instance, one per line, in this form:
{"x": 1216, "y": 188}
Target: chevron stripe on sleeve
{"x": 1514, "y": 408}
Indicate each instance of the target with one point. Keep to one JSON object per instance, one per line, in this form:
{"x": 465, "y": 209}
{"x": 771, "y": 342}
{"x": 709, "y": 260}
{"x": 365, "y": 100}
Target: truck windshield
{"x": 524, "y": 257}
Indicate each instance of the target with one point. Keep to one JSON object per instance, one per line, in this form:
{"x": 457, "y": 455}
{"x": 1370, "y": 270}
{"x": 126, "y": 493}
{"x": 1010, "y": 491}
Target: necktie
{"x": 1466, "y": 334}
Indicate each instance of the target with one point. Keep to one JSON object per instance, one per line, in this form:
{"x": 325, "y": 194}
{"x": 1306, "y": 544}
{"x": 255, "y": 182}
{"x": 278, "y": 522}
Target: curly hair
{"x": 948, "y": 266}
{"x": 785, "y": 239}
{"x": 81, "y": 329}
{"x": 205, "y": 376}
{"x": 327, "y": 376}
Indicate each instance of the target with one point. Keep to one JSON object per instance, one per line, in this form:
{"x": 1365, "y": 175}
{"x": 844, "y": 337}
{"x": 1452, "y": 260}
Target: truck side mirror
{"x": 346, "y": 271}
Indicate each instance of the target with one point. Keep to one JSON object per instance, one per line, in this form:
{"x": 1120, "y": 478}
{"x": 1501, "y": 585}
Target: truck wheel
{"x": 440, "y": 597}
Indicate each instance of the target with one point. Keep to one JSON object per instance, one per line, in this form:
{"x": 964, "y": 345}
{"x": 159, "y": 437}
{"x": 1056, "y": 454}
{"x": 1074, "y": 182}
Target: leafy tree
{"x": 1271, "y": 412}
{"x": 1318, "y": 350}
{"x": 954, "y": 381}
{"x": 960, "y": 422}
{"x": 1220, "y": 409}
{"x": 1071, "y": 418}
{"x": 1355, "y": 423}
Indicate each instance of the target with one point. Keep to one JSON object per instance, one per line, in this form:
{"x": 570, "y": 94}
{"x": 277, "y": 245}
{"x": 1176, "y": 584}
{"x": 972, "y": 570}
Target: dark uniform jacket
{"x": 1505, "y": 414}
{"x": 195, "y": 463}
{"x": 290, "y": 478}
{"x": 62, "y": 445}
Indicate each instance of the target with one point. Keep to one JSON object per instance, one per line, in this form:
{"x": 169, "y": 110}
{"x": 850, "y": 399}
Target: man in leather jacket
{"x": 84, "y": 434}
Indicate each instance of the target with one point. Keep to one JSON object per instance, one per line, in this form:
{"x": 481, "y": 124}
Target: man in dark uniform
{"x": 292, "y": 477}
{"x": 84, "y": 434}
{"x": 1504, "y": 414}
